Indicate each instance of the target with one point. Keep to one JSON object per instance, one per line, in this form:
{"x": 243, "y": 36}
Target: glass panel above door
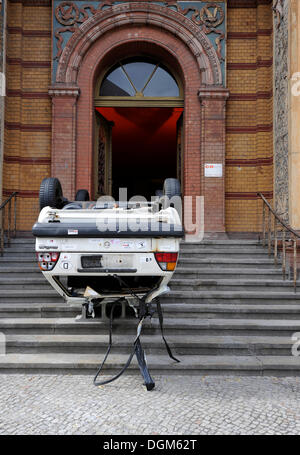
{"x": 162, "y": 84}
{"x": 139, "y": 77}
{"x": 116, "y": 84}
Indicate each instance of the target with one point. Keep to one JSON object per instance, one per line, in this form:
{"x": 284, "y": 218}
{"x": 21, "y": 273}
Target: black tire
{"x": 82, "y": 195}
{"x": 51, "y": 193}
{"x": 172, "y": 188}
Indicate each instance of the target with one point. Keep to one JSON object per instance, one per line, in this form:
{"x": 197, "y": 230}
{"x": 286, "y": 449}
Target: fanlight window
{"x": 139, "y": 78}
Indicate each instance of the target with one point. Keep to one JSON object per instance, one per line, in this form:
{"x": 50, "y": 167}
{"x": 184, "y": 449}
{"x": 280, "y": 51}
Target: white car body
{"x": 95, "y": 244}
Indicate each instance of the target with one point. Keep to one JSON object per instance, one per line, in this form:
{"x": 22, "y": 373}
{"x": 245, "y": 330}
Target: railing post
{"x": 283, "y": 255}
{"x": 275, "y": 241}
{"x": 15, "y": 216}
{"x": 2, "y": 233}
{"x": 264, "y": 224}
{"x": 295, "y": 263}
{"x": 269, "y": 232}
{"x": 280, "y": 226}
{"x": 8, "y": 223}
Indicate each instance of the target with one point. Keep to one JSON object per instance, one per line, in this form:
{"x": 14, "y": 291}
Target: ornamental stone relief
{"x": 281, "y": 159}
{"x": 208, "y": 16}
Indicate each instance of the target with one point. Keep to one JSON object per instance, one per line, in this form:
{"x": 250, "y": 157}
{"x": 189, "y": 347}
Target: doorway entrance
{"x": 144, "y": 149}
{"x": 138, "y": 118}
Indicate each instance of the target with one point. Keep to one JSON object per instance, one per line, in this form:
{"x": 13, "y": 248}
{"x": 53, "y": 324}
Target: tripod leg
{"x": 140, "y": 355}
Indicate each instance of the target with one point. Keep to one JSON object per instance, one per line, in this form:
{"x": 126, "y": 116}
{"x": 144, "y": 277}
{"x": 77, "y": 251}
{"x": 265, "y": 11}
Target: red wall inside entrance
{"x": 144, "y": 145}
{"x": 140, "y": 131}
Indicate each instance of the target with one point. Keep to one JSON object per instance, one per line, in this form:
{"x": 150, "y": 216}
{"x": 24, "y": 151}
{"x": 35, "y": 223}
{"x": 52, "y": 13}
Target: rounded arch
{"x": 138, "y": 65}
{"x": 129, "y": 14}
{"x": 154, "y": 30}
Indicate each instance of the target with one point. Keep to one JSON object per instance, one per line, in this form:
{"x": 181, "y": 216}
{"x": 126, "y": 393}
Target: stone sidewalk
{"x": 179, "y": 405}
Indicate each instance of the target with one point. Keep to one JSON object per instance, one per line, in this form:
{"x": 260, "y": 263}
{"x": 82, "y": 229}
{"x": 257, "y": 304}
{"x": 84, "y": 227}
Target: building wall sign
{"x": 213, "y": 170}
{"x": 67, "y": 16}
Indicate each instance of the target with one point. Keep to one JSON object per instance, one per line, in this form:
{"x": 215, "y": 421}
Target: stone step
{"x": 231, "y": 311}
{"x": 17, "y": 260}
{"x": 244, "y": 263}
{"x": 16, "y": 256}
{"x": 18, "y": 271}
{"x": 258, "y": 274}
{"x": 228, "y": 245}
{"x": 38, "y": 282}
{"x": 237, "y": 253}
{"x": 170, "y": 310}
{"x": 22, "y": 240}
{"x": 194, "y": 284}
{"x": 172, "y": 326}
{"x": 158, "y": 364}
{"x": 24, "y": 282}
{"x": 16, "y": 248}
{"x": 185, "y": 345}
{"x": 226, "y": 242}
{"x": 39, "y": 310}
{"x": 236, "y": 297}
{"x": 29, "y": 295}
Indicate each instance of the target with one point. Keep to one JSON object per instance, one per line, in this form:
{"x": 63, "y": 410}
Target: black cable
{"x": 144, "y": 312}
{"x": 108, "y": 351}
{"x": 137, "y": 349}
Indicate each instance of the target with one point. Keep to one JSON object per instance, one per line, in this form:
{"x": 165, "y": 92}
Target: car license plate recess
{"x": 107, "y": 261}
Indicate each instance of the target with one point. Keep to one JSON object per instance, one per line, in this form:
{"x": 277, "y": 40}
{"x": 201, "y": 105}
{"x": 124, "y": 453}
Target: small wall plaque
{"x": 213, "y": 170}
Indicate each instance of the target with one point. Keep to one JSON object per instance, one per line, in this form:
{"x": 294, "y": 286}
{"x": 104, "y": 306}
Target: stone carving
{"x": 281, "y": 160}
{"x": 67, "y": 13}
{"x": 152, "y": 13}
{"x": 71, "y": 16}
{"x": 278, "y": 9}
{"x": 212, "y": 18}
{"x": 208, "y": 18}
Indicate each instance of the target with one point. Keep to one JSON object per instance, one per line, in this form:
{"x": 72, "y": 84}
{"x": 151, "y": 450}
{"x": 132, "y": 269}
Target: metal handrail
{"x": 8, "y": 221}
{"x": 273, "y": 237}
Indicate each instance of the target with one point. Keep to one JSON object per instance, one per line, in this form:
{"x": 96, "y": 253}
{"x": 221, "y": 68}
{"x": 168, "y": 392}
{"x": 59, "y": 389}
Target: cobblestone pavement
{"x": 42, "y": 404}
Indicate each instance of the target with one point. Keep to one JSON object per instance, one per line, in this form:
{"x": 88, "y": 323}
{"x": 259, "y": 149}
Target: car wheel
{"x": 51, "y": 193}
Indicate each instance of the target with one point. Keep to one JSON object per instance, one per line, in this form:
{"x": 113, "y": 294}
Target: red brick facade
{"x": 161, "y": 32}
{"x": 50, "y": 131}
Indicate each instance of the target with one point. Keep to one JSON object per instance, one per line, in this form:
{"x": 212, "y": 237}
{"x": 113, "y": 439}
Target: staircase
{"x": 229, "y": 312}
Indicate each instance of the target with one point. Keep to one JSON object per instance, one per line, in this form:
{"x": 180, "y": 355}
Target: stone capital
{"x": 66, "y": 90}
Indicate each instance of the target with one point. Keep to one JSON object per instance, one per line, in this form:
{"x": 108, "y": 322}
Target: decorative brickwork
{"x": 174, "y": 39}
{"x": 249, "y": 119}
{"x": 243, "y": 126}
{"x": 28, "y": 105}
{"x": 208, "y": 17}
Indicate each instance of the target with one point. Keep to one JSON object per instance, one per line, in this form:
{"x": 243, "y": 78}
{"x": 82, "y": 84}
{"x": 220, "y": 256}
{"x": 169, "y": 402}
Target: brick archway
{"x": 155, "y": 30}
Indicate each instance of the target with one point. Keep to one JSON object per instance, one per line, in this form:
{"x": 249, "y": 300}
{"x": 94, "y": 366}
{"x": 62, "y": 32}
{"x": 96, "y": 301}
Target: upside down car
{"x": 95, "y": 252}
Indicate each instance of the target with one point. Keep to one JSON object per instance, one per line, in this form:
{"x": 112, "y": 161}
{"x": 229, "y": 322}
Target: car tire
{"x": 82, "y": 195}
{"x": 51, "y": 193}
{"x": 171, "y": 188}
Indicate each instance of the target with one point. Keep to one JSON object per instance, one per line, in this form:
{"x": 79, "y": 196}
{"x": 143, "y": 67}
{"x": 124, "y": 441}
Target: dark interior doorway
{"x": 144, "y": 147}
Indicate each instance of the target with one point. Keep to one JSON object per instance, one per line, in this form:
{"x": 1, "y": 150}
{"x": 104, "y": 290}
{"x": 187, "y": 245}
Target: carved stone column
{"x": 294, "y": 113}
{"x": 213, "y": 110}
{"x": 2, "y": 86}
{"x": 63, "y": 155}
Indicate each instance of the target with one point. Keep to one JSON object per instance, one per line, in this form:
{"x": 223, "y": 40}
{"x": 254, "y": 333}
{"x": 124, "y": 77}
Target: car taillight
{"x": 166, "y": 261}
{"x": 47, "y": 260}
